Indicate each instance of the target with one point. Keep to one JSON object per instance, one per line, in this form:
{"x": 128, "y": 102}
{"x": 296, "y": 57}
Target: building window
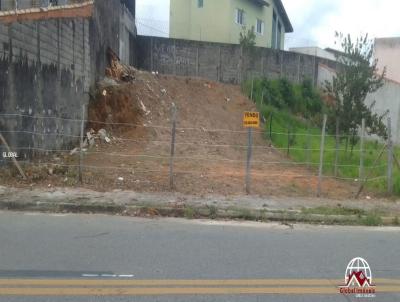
{"x": 200, "y": 3}
{"x": 240, "y": 16}
{"x": 260, "y": 27}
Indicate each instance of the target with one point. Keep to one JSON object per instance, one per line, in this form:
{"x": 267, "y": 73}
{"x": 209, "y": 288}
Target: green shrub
{"x": 302, "y": 99}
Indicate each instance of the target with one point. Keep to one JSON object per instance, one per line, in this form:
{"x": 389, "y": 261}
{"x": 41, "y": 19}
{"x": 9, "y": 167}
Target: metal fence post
{"x": 288, "y": 140}
{"x": 173, "y": 135}
{"x": 248, "y": 163}
{"x": 361, "y": 171}
{"x": 174, "y": 56}
{"x": 390, "y": 158}
{"x": 298, "y": 69}
{"x": 308, "y": 146}
{"x": 81, "y": 144}
{"x": 321, "y": 156}
{"x": 197, "y": 61}
{"x": 252, "y": 86}
{"x": 337, "y": 145}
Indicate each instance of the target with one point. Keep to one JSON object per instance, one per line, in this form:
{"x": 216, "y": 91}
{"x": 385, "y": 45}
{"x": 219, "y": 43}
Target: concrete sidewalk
{"x": 287, "y": 209}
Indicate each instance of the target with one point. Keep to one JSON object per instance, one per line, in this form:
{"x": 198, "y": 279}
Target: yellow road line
{"x": 162, "y": 291}
{"x": 112, "y": 287}
{"x": 178, "y": 291}
{"x": 386, "y": 281}
{"x": 118, "y": 282}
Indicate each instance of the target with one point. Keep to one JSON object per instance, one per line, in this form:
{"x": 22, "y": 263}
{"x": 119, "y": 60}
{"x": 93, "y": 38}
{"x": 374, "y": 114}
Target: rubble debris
{"x": 74, "y": 151}
{"x": 149, "y": 87}
{"x": 117, "y": 70}
{"x": 107, "y": 82}
{"x": 144, "y": 109}
{"x": 120, "y": 178}
{"x": 102, "y": 133}
{"x": 90, "y": 140}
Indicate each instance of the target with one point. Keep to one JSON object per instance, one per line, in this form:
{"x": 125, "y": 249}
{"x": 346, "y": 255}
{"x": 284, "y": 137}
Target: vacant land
{"x": 211, "y": 144}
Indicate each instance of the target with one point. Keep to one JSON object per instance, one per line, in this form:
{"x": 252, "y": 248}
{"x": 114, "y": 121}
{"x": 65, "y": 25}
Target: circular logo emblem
{"x": 358, "y": 273}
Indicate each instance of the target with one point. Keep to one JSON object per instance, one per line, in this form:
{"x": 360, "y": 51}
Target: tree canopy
{"x": 357, "y": 76}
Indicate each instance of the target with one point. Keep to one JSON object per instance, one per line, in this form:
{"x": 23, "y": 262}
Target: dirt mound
{"x": 114, "y": 105}
{"x": 211, "y": 143}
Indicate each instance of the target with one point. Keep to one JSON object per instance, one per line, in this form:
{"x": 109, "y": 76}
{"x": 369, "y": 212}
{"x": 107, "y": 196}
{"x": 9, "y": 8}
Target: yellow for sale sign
{"x": 251, "y": 119}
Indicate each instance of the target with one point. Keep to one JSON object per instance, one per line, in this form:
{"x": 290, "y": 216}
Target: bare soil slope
{"x": 210, "y": 142}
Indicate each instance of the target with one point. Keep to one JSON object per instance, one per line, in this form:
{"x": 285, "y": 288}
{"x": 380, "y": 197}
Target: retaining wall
{"x": 44, "y": 71}
{"x": 226, "y": 63}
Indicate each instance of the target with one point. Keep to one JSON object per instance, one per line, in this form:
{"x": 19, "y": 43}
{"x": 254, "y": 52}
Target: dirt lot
{"x": 210, "y": 145}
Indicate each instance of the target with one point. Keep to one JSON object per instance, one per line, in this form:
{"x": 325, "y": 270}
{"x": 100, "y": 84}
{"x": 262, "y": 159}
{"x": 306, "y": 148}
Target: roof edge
{"x": 284, "y": 15}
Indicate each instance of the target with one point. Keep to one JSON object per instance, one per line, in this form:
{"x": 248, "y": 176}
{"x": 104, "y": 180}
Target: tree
{"x": 247, "y": 38}
{"x": 357, "y": 76}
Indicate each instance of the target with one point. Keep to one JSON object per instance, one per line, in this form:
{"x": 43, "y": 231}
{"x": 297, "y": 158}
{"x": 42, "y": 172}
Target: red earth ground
{"x": 211, "y": 145}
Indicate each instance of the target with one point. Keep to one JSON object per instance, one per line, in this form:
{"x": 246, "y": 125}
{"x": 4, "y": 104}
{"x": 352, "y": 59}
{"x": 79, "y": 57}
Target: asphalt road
{"x": 105, "y": 258}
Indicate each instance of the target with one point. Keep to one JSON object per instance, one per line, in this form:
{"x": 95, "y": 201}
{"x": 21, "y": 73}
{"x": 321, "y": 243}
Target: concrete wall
{"x": 223, "y": 62}
{"x": 387, "y": 51}
{"x": 386, "y": 99}
{"x": 23, "y": 4}
{"x": 45, "y": 71}
{"x": 126, "y": 32}
{"x": 47, "y": 68}
{"x": 104, "y": 33}
{"x": 111, "y": 26}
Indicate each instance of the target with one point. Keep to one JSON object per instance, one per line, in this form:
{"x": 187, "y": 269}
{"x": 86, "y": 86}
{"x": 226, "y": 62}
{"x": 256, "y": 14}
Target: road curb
{"x": 193, "y": 212}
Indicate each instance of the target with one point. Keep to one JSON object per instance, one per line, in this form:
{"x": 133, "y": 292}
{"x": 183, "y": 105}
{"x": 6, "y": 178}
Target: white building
{"x": 387, "y": 51}
{"x": 314, "y": 51}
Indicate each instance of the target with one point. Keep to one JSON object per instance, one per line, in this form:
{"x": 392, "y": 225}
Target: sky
{"x": 153, "y": 17}
{"x": 314, "y": 21}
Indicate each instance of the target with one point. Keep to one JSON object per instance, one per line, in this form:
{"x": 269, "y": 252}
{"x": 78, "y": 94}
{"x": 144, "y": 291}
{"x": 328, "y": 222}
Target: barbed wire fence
{"x": 174, "y": 158}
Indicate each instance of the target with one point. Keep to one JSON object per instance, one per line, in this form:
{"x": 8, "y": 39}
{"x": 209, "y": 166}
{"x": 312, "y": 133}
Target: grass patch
{"x": 372, "y": 219}
{"x": 300, "y": 140}
{"x": 189, "y": 213}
